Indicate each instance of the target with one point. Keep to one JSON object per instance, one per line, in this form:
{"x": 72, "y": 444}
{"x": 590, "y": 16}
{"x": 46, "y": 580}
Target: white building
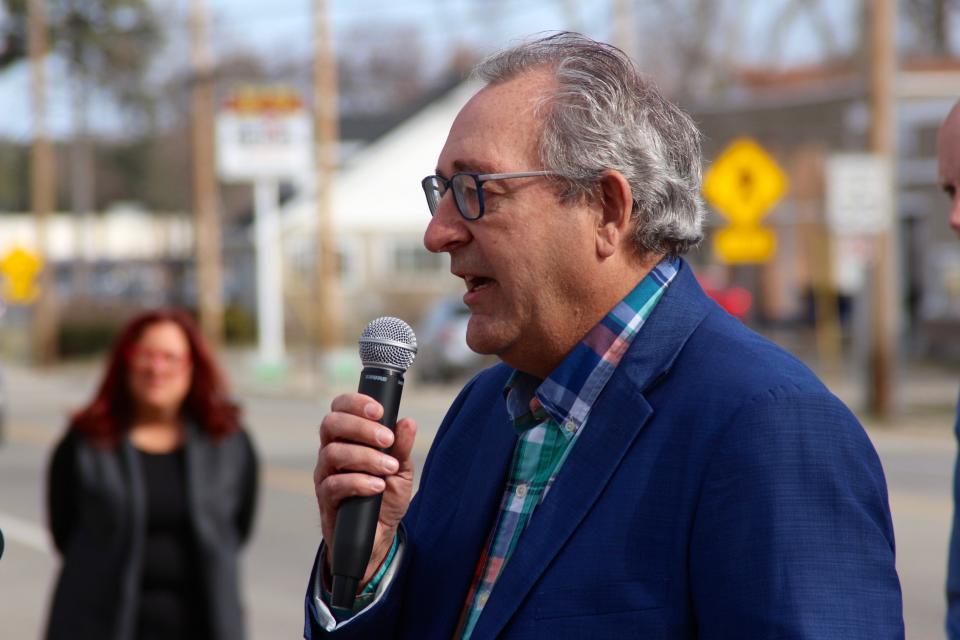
{"x": 121, "y": 233}
{"x": 379, "y": 216}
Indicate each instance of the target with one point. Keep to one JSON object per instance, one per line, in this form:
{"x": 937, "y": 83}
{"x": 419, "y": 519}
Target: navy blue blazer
{"x": 953, "y": 565}
{"x": 718, "y": 490}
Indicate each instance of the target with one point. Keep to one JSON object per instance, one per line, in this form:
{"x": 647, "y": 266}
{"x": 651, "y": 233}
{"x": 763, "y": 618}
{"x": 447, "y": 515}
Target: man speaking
{"x": 640, "y": 465}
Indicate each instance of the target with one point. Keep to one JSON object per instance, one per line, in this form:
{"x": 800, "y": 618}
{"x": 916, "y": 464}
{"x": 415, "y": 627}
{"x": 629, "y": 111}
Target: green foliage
{"x": 106, "y": 42}
{"x": 86, "y": 334}
{"x": 14, "y": 177}
{"x": 13, "y": 32}
{"x": 239, "y": 325}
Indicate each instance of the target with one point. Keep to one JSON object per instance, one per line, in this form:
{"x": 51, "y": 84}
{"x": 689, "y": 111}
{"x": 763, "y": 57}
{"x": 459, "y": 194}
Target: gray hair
{"x": 605, "y": 115}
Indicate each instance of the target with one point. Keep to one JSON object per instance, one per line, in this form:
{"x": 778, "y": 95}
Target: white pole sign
{"x": 859, "y": 193}
{"x": 265, "y": 135}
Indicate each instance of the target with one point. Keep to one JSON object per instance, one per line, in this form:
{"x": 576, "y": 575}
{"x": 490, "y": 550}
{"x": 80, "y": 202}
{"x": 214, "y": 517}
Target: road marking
{"x": 25, "y": 532}
{"x": 292, "y": 480}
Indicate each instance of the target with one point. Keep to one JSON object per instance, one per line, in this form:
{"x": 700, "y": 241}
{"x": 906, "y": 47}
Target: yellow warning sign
{"x": 744, "y": 182}
{"x": 20, "y": 269}
{"x": 745, "y": 245}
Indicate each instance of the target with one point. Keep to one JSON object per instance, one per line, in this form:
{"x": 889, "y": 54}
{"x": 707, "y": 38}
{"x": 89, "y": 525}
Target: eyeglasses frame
{"x": 479, "y": 179}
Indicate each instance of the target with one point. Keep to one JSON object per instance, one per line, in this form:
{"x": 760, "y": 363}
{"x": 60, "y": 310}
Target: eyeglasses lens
{"x": 433, "y": 188}
{"x": 467, "y": 195}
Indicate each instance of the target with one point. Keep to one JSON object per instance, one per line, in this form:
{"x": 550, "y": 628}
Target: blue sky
{"x": 281, "y": 30}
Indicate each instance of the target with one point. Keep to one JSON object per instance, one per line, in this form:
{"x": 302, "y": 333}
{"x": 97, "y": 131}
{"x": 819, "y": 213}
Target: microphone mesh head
{"x": 388, "y": 342}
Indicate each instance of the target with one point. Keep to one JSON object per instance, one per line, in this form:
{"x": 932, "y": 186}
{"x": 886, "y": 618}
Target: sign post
{"x": 860, "y": 213}
{"x": 270, "y": 316}
{"x": 264, "y": 135}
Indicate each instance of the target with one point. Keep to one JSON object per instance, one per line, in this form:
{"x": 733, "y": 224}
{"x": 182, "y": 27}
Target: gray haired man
{"x": 640, "y": 464}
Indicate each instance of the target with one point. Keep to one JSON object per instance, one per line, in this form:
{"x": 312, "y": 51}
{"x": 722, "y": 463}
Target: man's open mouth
{"x": 476, "y": 283}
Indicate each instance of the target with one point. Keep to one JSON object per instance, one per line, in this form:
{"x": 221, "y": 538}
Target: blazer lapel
{"x": 595, "y": 456}
{"x": 460, "y": 506}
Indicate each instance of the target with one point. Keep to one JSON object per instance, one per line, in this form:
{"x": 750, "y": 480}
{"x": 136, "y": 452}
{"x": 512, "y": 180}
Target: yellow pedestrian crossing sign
{"x": 20, "y": 269}
{"x": 743, "y": 184}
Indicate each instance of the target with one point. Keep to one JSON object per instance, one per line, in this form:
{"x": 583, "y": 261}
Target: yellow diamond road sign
{"x": 20, "y": 269}
{"x": 744, "y": 182}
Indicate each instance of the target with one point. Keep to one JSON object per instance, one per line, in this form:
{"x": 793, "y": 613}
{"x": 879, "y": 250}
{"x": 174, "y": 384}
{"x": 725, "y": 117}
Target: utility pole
{"x": 624, "y": 27}
{"x": 884, "y": 297}
{"x": 42, "y": 187}
{"x": 327, "y": 317}
{"x": 207, "y": 243}
{"x": 82, "y": 190}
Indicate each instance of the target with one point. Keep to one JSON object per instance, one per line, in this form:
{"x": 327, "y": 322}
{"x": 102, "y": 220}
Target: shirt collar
{"x": 570, "y": 390}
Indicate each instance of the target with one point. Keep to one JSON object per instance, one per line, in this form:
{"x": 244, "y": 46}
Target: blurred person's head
{"x": 948, "y": 152}
{"x": 549, "y": 254}
{"x": 159, "y": 368}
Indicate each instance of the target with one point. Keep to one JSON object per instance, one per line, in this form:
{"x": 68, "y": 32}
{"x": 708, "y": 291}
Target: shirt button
{"x": 521, "y": 491}
{"x": 569, "y": 426}
{"x": 482, "y": 600}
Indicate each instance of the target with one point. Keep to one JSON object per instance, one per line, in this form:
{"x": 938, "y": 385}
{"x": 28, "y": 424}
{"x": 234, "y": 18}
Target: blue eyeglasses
{"x": 467, "y": 189}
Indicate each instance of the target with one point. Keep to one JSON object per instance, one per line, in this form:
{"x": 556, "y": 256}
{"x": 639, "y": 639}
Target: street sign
{"x": 20, "y": 269}
{"x": 859, "y": 193}
{"x": 263, "y": 133}
{"x": 745, "y": 245}
{"x": 744, "y": 182}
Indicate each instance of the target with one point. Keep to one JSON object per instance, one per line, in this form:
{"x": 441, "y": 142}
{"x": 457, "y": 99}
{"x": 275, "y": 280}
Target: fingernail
{"x": 371, "y": 411}
{"x": 384, "y": 436}
{"x": 391, "y": 465}
{"x": 377, "y": 484}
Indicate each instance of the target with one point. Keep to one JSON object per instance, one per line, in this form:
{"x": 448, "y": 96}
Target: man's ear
{"x": 616, "y": 207}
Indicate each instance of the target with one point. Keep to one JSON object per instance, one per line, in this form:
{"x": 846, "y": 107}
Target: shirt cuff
{"x": 367, "y": 598}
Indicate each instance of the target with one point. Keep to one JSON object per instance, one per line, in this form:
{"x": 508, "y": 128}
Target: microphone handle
{"x": 357, "y": 518}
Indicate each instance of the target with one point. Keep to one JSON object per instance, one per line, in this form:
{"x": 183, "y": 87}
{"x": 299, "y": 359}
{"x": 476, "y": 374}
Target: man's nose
{"x": 447, "y": 229}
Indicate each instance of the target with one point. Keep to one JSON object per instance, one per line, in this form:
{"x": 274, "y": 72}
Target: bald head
{"x": 948, "y": 153}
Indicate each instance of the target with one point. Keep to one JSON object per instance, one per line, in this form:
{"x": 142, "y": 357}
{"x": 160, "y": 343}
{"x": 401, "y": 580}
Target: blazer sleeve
{"x": 380, "y": 619}
{"x": 249, "y": 484}
{"x": 62, "y": 491}
{"x": 793, "y": 536}
{"x": 953, "y": 564}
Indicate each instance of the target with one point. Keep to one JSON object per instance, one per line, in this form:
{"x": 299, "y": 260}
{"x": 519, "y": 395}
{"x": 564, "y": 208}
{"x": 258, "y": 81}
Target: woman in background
{"x": 151, "y": 495}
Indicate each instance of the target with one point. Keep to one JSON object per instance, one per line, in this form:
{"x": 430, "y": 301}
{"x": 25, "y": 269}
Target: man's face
{"x": 948, "y": 151}
{"x": 526, "y": 262}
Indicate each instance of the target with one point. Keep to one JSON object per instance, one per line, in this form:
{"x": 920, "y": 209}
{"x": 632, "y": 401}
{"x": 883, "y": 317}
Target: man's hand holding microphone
{"x": 364, "y": 473}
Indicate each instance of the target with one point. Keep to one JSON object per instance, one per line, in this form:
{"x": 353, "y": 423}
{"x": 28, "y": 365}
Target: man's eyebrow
{"x": 473, "y": 166}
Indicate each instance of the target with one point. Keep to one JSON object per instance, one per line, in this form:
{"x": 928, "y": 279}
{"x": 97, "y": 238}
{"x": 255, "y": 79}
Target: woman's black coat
{"x": 98, "y": 521}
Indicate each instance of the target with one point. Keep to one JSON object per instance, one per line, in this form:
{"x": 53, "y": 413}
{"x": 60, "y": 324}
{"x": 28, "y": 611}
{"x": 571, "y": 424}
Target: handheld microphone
{"x": 387, "y": 348}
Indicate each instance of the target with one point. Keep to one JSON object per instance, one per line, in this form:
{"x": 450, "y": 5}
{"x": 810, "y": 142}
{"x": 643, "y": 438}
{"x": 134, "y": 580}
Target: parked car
{"x": 442, "y": 351}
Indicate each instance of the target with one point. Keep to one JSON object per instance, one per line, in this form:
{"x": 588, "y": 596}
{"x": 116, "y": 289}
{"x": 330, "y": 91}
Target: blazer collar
{"x": 682, "y": 309}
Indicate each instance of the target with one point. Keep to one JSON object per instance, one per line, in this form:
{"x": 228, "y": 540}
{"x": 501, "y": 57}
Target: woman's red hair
{"x": 110, "y": 413}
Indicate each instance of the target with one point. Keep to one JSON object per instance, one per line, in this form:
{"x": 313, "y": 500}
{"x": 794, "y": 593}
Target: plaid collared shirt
{"x": 548, "y": 416}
